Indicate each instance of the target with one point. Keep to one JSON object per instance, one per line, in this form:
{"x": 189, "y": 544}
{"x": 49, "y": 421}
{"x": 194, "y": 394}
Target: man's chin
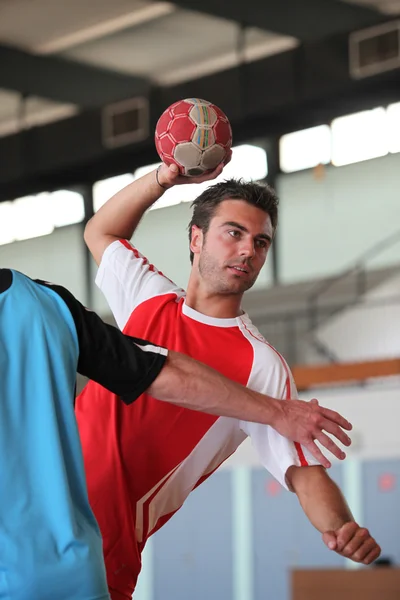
{"x": 237, "y": 287}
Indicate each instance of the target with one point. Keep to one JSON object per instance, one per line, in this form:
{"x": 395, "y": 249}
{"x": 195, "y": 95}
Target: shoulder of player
{"x": 264, "y": 351}
{"x": 125, "y": 252}
{"x": 120, "y": 247}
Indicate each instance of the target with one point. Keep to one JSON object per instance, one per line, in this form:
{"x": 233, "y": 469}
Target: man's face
{"x": 232, "y": 253}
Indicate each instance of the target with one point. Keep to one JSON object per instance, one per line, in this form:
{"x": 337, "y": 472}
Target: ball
{"x": 195, "y": 135}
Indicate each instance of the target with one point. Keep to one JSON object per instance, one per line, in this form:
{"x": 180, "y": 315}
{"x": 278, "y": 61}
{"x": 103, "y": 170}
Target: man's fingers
{"x": 336, "y": 418}
{"x": 317, "y": 454}
{"x": 366, "y": 548}
{"x": 336, "y": 431}
{"x": 329, "y": 538}
{"x": 356, "y": 543}
{"x": 330, "y": 445}
{"x": 345, "y": 534}
{"x": 360, "y": 554}
{"x": 373, "y": 555}
{"x": 357, "y": 547}
{"x": 205, "y": 177}
{"x": 228, "y": 158}
{"x": 167, "y": 175}
{"x": 170, "y": 175}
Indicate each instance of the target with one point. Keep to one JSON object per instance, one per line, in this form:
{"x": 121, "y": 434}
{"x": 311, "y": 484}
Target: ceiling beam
{"x": 302, "y": 19}
{"x": 91, "y": 33}
{"x": 65, "y": 81}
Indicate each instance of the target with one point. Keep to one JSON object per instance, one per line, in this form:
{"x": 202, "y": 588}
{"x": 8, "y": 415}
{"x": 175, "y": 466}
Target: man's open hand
{"x": 305, "y": 422}
{"x": 354, "y": 542}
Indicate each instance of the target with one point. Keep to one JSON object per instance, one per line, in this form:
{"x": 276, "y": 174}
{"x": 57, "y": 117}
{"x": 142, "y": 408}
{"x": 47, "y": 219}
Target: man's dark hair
{"x": 256, "y": 194}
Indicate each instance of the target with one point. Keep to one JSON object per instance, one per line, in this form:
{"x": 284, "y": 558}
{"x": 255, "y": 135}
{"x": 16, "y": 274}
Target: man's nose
{"x": 247, "y": 248}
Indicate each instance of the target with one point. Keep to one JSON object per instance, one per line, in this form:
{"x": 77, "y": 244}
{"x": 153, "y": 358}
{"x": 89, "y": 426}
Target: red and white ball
{"x": 195, "y": 135}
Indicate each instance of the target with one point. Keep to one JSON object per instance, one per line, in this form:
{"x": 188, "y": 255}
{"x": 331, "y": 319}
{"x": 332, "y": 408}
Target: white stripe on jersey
{"x": 151, "y": 348}
{"x": 204, "y": 458}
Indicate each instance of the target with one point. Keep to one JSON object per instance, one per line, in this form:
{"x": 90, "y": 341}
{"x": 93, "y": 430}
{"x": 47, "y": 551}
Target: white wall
{"x": 374, "y": 411}
{"x": 326, "y": 224}
{"x": 367, "y": 331}
{"x": 57, "y": 258}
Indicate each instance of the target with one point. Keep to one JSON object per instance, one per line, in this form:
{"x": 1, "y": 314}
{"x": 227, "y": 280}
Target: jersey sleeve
{"x": 5, "y": 280}
{"x": 127, "y": 279}
{"x": 125, "y": 365}
{"x": 276, "y": 452}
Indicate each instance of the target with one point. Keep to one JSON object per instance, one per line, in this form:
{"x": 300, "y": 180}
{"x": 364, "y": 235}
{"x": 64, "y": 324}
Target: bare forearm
{"x": 188, "y": 383}
{"x": 119, "y": 216}
{"x": 320, "y": 498}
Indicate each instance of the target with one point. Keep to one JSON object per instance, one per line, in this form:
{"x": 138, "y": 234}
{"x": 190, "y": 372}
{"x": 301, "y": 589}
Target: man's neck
{"x": 218, "y": 306}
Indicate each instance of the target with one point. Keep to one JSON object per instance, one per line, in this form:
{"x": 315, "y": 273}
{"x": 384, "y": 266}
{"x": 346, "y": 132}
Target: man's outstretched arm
{"x": 326, "y": 508}
{"x": 191, "y": 384}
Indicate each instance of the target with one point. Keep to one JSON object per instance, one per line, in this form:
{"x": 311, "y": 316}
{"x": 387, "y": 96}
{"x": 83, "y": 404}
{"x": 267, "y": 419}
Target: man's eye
{"x": 234, "y": 233}
{"x": 261, "y": 243}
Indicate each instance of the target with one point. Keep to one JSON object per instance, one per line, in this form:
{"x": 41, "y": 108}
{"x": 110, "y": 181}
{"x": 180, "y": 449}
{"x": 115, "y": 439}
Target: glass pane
{"x": 360, "y": 136}
{"x": 67, "y": 207}
{"x": 248, "y": 161}
{"x": 103, "y": 190}
{"x": 32, "y": 217}
{"x": 305, "y": 149}
{"x": 7, "y": 223}
{"x": 393, "y": 122}
{"x": 141, "y": 171}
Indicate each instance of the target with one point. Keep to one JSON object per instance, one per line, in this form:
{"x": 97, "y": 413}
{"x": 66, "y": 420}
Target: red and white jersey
{"x": 152, "y": 454}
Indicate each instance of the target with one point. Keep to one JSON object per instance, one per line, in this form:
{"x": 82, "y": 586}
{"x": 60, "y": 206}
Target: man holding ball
{"x": 143, "y": 461}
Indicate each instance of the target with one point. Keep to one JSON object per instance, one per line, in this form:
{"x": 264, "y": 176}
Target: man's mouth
{"x": 239, "y": 269}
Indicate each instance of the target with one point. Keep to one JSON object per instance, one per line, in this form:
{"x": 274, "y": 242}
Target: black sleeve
{"x": 125, "y": 365}
{"x": 5, "y": 279}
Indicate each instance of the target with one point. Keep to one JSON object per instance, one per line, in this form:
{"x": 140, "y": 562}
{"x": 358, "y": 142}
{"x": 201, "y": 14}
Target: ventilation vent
{"x": 125, "y": 122}
{"x": 374, "y": 50}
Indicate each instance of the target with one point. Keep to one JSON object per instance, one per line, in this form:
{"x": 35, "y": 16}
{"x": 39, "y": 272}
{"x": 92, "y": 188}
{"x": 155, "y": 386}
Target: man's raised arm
{"x": 119, "y": 217}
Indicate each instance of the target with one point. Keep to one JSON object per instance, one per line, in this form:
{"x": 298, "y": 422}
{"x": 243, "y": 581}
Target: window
{"x": 7, "y": 223}
{"x": 66, "y": 208}
{"x": 34, "y": 216}
{"x": 141, "y": 171}
{"x": 393, "y": 123}
{"x": 31, "y": 217}
{"x": 106, "y": 188}
{"x": 360, "y": 136}
{"x": 305, "y": 149}
{"x": 248, "y": 161}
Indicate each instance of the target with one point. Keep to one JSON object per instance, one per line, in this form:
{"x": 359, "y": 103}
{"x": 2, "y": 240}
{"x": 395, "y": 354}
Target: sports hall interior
{"x": 312, "y": 91}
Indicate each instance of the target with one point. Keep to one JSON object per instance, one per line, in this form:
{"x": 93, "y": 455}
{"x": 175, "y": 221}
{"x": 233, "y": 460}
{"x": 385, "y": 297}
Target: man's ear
{"x": 196, "y": 242}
